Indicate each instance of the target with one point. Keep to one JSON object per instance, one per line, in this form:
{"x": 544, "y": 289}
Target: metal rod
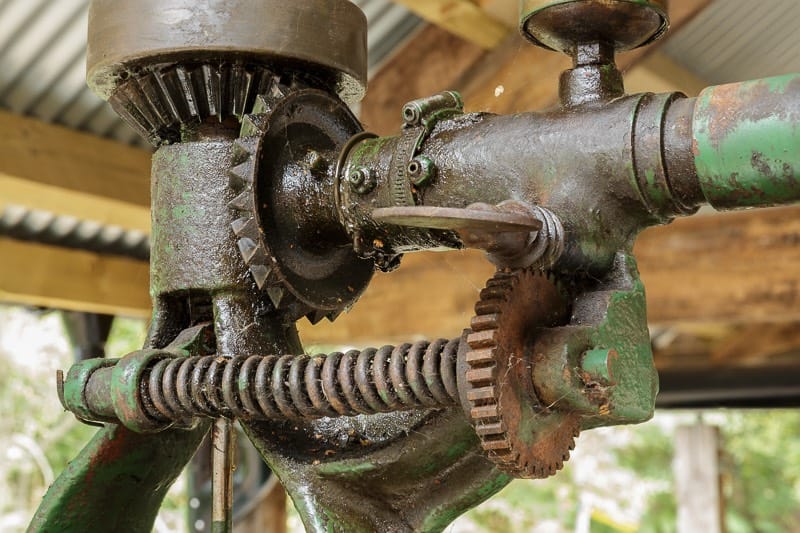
{"x": 222, "y": 443}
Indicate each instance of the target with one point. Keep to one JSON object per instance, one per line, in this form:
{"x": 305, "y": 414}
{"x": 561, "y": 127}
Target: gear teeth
{"x": 488, "y": 430}
{"x": 481, "y": 357}
{"x": 243, "y": 202}
{"x": 482, "y": 412}
{"x": 242, "y": 174}
{"x": 178, "y": 81}
{"x": 277, "y": 91}
{"x": 211, "y": 85}
{"x": 479, "y": 376}
{"x": 485, "y": 395}
{"x": 262, "y": 95}
{"x": 261, "y": 104}
{"x": 484, "y": 322}
{"x": 276, "y": 295}
{"x": 482, "y": 339}
{"x": 245, "y": 227}
{"x": 482, "y": 394}
{"x": 159, "y": 101}
{"x": 243, "y": 149}
{"x": 252, "y": 252}
{"x": 316, "y": 316}
{"x": 241, "y": 83}
{"x": 333, "y": 315}
{"x": 252, "y": 125}
{"x": 261, "y": 274}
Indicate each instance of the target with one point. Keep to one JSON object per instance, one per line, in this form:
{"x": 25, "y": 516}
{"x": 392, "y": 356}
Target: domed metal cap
{"x": 328, "y": 35}
{"x": 562, "y": 25}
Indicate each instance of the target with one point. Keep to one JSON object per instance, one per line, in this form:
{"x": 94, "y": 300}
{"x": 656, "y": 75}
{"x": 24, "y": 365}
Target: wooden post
{"x": 268, "y": 515}
{"x": 697, "y": 479}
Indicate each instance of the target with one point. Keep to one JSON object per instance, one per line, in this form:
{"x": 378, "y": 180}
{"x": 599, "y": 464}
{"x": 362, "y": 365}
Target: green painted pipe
{"x": 746, "y": 142}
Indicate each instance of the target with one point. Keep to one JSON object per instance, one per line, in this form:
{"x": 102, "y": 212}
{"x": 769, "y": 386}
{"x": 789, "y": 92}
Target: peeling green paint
{"x": 443, "y": 516}
{"x": 747, "y": 143}
{"x": 140, "y": 468}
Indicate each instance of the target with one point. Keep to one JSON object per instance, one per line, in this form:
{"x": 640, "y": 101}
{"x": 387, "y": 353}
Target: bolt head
{"x": 362, "y": 180}
{"x": 421, "y": 171}
{"x": 357, "y": 177}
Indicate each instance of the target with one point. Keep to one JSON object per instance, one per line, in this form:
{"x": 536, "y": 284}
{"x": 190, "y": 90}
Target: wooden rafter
{"x": 733, "y": 268}
{"x": 728, "y": 268}
{"x": 49, "y": 276}
{"x": 49, "y": 167}
{"x": 464, "y": 18}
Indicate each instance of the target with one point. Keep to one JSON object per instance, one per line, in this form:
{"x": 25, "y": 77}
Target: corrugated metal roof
{"x": 735, "y": 40}
{"x": 43, "y": 44}
{"x": 43, "y": 55}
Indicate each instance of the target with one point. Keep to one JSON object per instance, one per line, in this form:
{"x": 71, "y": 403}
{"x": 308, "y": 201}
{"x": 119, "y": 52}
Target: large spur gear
{"x": 305, "y": 269}
{"x": 521, "y": 435}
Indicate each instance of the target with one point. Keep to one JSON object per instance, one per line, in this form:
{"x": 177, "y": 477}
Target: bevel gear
{"x": 304, "y": 270}
{"x": 521, "y": 435}
{"x": 159, "y": 100}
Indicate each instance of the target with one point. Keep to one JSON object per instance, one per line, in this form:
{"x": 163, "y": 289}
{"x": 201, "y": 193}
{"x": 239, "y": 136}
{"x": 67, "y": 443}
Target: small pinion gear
{"x": 290, "y": 121}
{"x": 522, "y": 436}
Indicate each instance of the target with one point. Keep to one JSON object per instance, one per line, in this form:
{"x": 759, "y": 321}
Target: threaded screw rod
{"x": 391, "y": 378}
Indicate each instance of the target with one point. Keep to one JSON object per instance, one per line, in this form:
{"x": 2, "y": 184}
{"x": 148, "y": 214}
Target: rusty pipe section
{"x": 599, "y": 168}
{"x": 606, "y": 170}
{"x": 746, "y": 143}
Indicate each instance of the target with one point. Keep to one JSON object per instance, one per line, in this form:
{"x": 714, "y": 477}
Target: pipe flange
{"x": 126, "y": 394}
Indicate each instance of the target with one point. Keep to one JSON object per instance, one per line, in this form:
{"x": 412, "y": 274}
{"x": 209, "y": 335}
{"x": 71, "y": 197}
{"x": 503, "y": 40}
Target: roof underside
{"x": 43, "y": 58}
{"x": 43, "y": 48}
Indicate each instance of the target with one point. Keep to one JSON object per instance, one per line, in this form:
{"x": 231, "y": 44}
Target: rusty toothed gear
{"x": 522, "y": 436}
{"x": 305, "y": 270}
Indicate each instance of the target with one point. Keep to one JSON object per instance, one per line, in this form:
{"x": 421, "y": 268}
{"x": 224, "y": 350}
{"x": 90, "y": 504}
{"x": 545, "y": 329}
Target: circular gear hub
{"x": 283, "y": 177}
{"x": 522, "y": 436}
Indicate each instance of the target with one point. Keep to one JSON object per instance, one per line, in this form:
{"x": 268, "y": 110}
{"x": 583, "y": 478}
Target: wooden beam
{"x": 740, "y": 267}
{"x": 463, "y": 18}
{"x": 734, "y": 268}
{"x": 757, "y": 344}
{"x": 432, "y": 61}
{"x": 506, "y": 11}
{"x": 658, "y": 73}
{"x": 50, "y": 276}
{"x": 49, "y": 167}
{"x": 719, "y": 345}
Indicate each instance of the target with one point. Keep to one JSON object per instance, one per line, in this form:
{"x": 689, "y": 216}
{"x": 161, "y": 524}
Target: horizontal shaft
{"x": 391, "y": 378}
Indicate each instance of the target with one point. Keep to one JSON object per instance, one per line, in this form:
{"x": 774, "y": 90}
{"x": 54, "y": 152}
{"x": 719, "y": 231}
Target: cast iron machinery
{"x": 270, "y": 204}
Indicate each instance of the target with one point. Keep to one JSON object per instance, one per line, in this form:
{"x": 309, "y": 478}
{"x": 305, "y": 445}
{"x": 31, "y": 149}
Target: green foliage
{"x": 127, "y": 335}
{"x": 760, "y": 462}
{"x": 762, "y": 474}
{"x": 523, "y": 504}
{"x": 37, "y": 437}
{"x": 649, "y": 454}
